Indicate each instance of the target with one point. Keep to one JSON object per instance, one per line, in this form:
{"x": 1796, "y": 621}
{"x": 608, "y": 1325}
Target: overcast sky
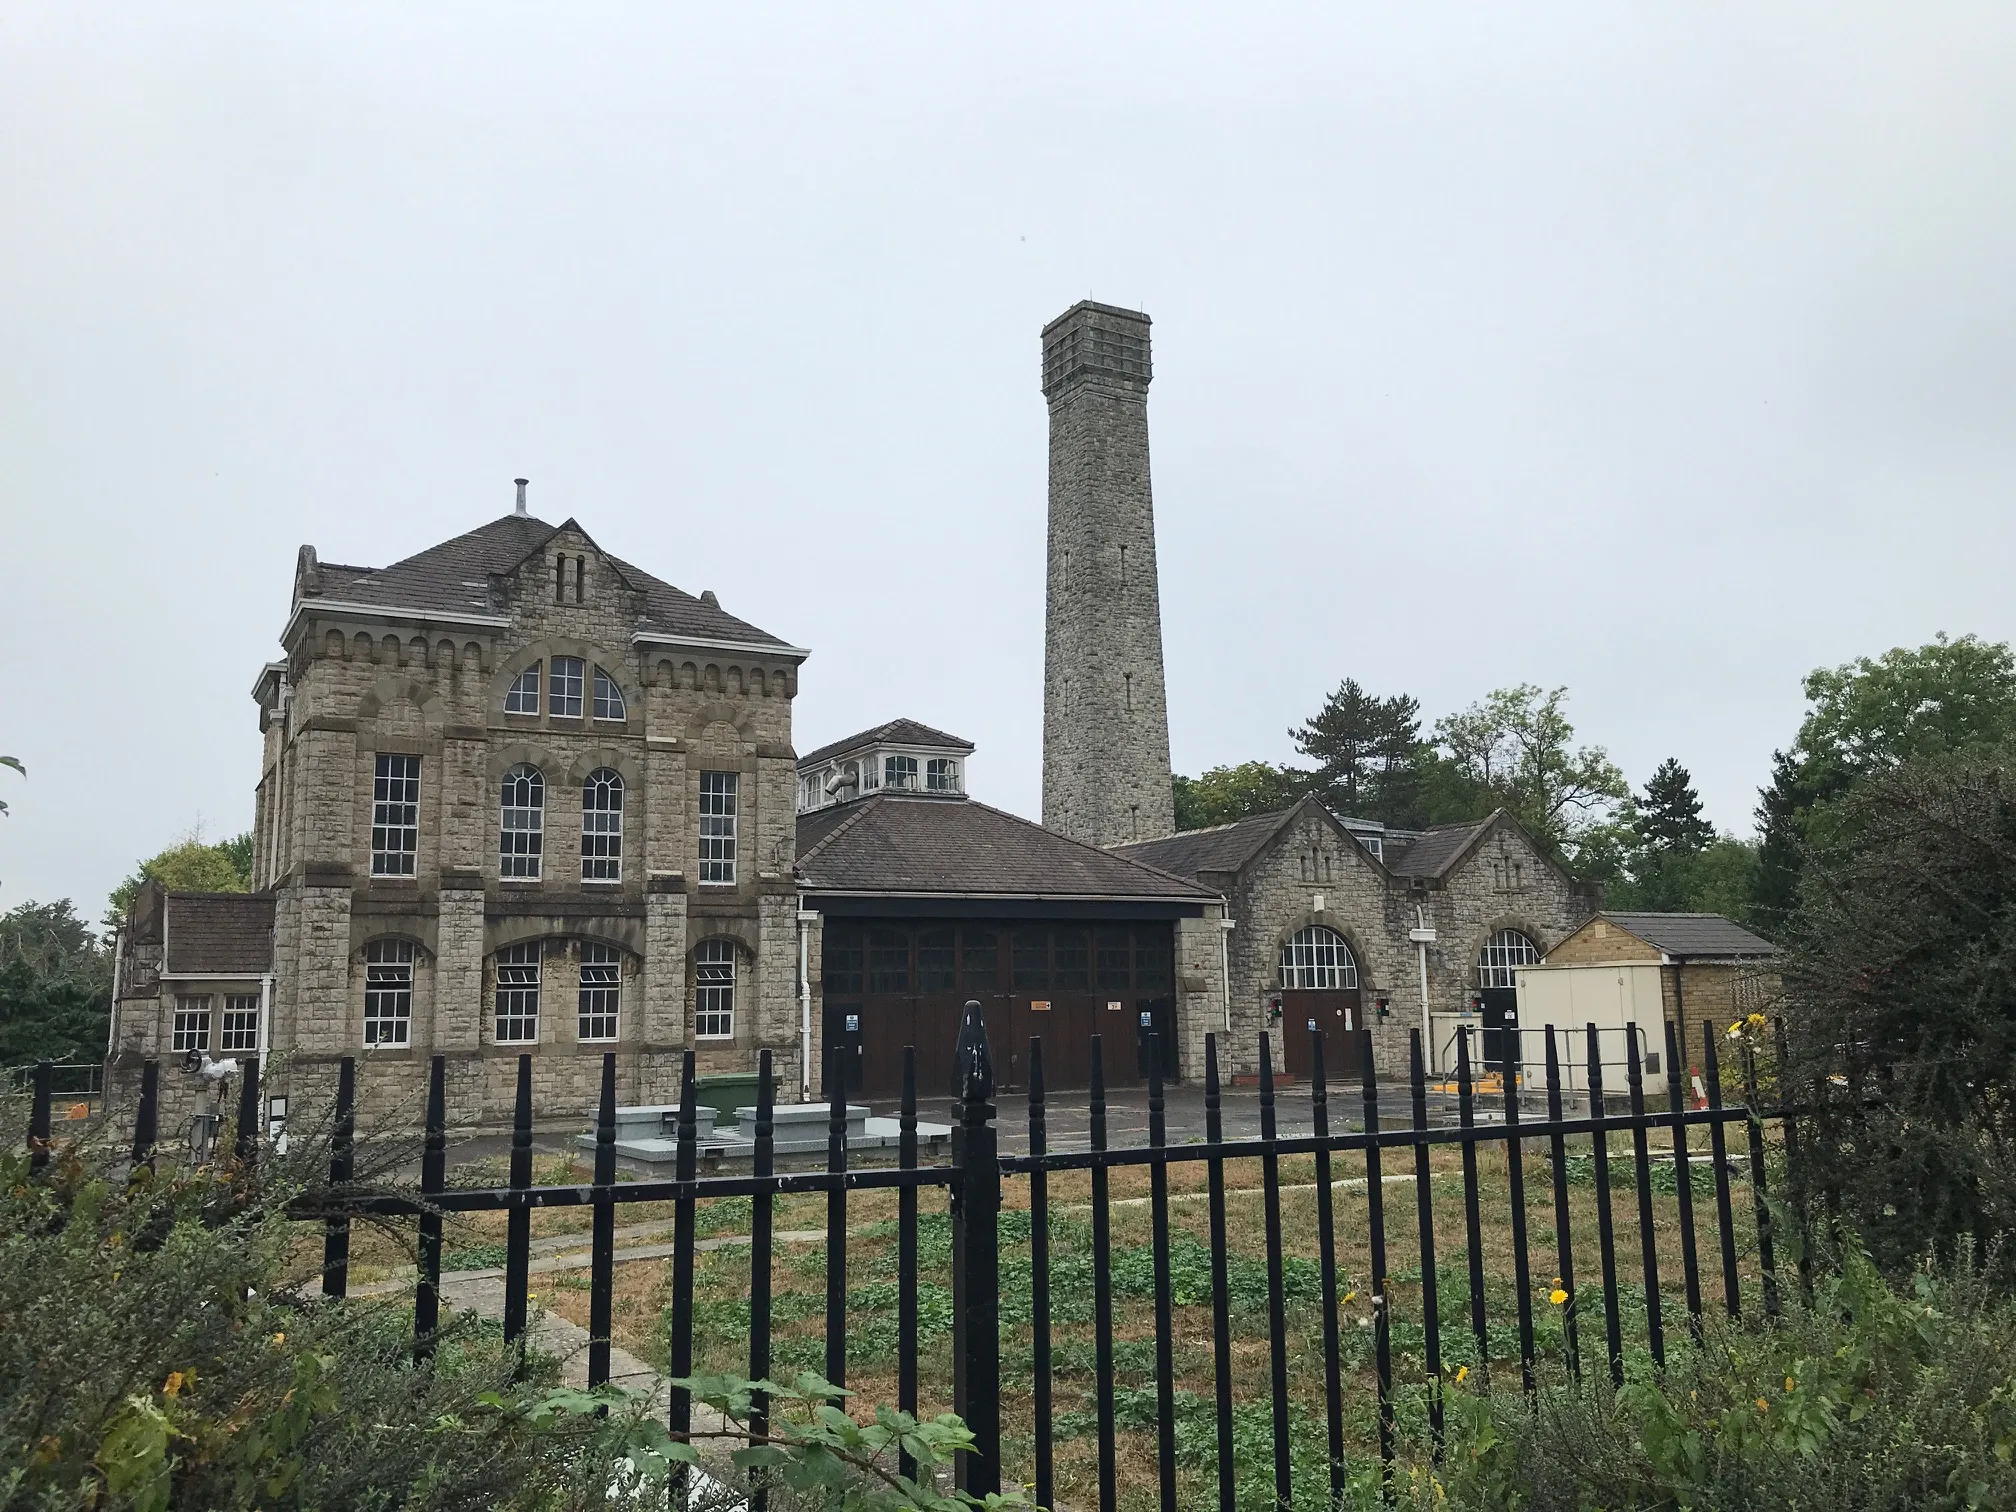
{"x": 1661, "y": 352}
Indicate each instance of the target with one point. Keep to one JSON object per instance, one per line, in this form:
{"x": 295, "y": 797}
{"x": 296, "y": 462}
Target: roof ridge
{"x": 866, "y": 804}
{"x": 1097, "y": 850}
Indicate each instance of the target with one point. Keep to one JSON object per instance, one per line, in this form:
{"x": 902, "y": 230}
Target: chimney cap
{"x": 521, "y": 482}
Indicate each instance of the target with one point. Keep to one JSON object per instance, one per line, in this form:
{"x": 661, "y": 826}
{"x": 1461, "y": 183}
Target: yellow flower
{"x": 1350, "y": 1296}
{"x": 1762, "y": 1405}
{"x": 1736, "y": 1030}
{"x": 279, "y": 1338}
{"x": 1557, "y": 1296}
{"x": 1756, "y": 1021}
{"x": 172, "y": 1387}
{"x": 1462, "y": 1374}
{"x": 1790, "y": 1384}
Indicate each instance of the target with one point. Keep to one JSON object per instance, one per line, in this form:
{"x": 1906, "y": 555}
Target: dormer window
{"x": 899, "y": 772}
{"x": 871, "y": 776}
{"x": 524, "y": 695}
{"x": 608, "y": 697}
{"x": 941, "y": 775}
{"x": 563, "y": 693}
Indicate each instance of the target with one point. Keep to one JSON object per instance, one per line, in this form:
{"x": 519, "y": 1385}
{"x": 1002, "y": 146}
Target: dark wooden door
{"x": 1336, "y": 1015}
{"x": 1500, "y": 1012}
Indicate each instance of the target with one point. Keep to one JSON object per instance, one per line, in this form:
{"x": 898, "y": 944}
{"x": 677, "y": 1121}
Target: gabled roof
{"x": 1692, "y": 935}
{"x": 454, "y": 578}
{"x": 895, "y": 732}
{"x": 1219, "y": 848}
{"x": 909, "y": 844}
{"x": 220, "y": 934}
{"x": 1439, "y": 848}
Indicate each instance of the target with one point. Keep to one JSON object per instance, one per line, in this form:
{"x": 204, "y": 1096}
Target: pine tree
{"x": 1361, "y": 743}
{"x": 1669, "y": 816}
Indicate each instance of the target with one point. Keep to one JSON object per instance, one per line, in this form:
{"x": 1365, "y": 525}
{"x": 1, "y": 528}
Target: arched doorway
{"x": 1497, "y": 992}
{"x": 1319, "y": 995}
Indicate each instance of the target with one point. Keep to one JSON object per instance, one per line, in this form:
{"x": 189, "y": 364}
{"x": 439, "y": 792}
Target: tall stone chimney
{"x": 1105, "y": 714}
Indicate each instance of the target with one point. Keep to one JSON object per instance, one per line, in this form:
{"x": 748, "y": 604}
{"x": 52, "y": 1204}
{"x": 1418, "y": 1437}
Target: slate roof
{"x": 1438, "y": 848}
{"x": 1695, "y": 936}
{"x": 911, "y": 843}
{"x": 1219, "y": 848}
{"x": 895, "y": 732}
{"x": 455, "y": 578}
{"x": 225, "y": 934}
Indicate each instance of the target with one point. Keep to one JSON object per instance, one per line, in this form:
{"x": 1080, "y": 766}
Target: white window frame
{"x": 1318, "y": 959}
{"x": 609, "y": 697}
{"x": 515, "y": 1019}
{"x": 599, "y": 1010}
{"x": 521, "y": 824}
{"x": 714, "y": 970}
{"x": 395, "y": 814}
{"x": 238, "y": 1031}
{"x": 388, "y": 994}
{"x": 523, "y": 695}
{"x": 720, "y": 801}
{"x": 899, "y": 773}
{"x": 565, "y": 685}
{"x": 941, "y": 775}
{"x": 192, "y": 1022}
{"x": 1503, "y": 954}
{"x": 602, "y": 826}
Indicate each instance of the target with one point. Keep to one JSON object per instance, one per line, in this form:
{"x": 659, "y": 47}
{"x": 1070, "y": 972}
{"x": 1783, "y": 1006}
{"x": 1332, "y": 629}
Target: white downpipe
{"x": 1225, "y": 928}
{"x": 804, "y": 1006}
{"x": 265, "y": 1050}
{"x": 112, "y": 1018}
{"x": 1421, "y": 937}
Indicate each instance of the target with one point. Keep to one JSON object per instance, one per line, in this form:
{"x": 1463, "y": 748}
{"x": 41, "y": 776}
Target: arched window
{"x": 524, "y": 695}
{"x": 608, "y": 697}
{"x": 602, "y": 826}
{"x": 521, "y": 823}
{"x": 1503, "y": 954}
{"x": 714, "y": 990}
{"x": 517, "y": 1001}
{"x": 388, "y": 991}
{"x": 1318, "y": 958}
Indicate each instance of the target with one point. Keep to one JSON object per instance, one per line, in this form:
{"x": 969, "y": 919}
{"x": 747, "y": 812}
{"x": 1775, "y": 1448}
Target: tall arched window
{"x": 714, "y": 990}
{"x": 602, "y": 826}
{"x": 521, "y": 823}
{"x": 1318, "y": 958}
{"x": 1502, "y": 955}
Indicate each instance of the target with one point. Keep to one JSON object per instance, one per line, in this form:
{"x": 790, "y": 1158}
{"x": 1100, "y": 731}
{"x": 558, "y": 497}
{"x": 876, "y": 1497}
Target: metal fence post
{"x": 146, "y": 1121}
{"x": 976, "y": 1240}
{"x": 38, "y": 1119}
{"x": 246, "y": 1146}
{"x": 342, "y": 1166}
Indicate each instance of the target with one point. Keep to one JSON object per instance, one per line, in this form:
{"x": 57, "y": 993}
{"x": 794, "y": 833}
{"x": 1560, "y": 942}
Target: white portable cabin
{"x": 1613, "y": 998}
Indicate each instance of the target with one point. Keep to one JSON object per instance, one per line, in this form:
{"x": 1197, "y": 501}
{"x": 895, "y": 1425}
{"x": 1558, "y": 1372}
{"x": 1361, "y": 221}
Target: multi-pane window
{"x": 718, "y": 794}
{"x": 602, "y": 826}
{"x": 608, "y": 697}
{"x": 714, "y": 990}
{"x": 980, "y": 958}
{"x": 888, "y": 960}
{"x": 1503, "y": 954}
{"x": 518, "y": 994}
{"x": 192, "y": 1023}
{"x": 395, "y": 816}
{"x": 1112, "y": 956}
{"x": 935, "y": 956}
{"x": 388, "y": 992}
{"x": 524, "y": 695}
{"x": 899, "y": 771}
{"x": 941, "y": 775}
{"x": 1070, "y": 962}
{"x": 1318, "y": 958}
{"x": 563, "y": 688}
{"x": 1029, "y": 959}
{"x": 601, "y": 989}
{"x": 240, "y": 1029}
{"x": 521, "y": 823}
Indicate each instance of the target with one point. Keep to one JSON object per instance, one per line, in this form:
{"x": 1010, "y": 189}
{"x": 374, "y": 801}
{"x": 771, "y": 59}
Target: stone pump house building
{"x": 1346, "y": 925}
{"x": 517, "y": 795}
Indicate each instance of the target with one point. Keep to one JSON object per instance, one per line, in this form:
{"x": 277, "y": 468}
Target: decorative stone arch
{"x": 1353, "y": 941}
{"x": 597, "y": 756}
{"x": 361, "y": 646}
{"x": 506, "y": 670}
{"x": 390, "y": 688}
{"x": 759, "y": 683}
{"x": 739, "y": 718}
{"x": 689, "y": 676}
{"x": 502, "y": 758}
{"x": 505, "y": 933}
{"x": 1484, "y": 936}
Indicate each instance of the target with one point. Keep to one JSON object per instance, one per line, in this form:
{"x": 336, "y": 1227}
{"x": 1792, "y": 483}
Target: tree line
{"x": 1369, "y": 756}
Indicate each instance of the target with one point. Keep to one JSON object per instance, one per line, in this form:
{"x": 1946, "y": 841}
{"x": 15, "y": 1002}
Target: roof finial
{"x": 521, "y": 482}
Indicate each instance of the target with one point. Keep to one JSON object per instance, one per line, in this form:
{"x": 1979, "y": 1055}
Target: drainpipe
{"x": 1225, "y": 928}
{"x": 266, "y": 1015}
{"x": 1423, "y": 937}
{"x": 112, "y": 1018}
{"x": 1679, "y": 1010}
{"x": 806, "y": 917}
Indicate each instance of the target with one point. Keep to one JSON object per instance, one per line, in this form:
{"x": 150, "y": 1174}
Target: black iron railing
{"x": 974, "y": 1177}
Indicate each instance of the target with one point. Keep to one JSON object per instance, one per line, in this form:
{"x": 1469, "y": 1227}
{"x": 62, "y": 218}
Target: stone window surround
{"x": 566, "y": 778}
{"x": 614, "y": 664}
